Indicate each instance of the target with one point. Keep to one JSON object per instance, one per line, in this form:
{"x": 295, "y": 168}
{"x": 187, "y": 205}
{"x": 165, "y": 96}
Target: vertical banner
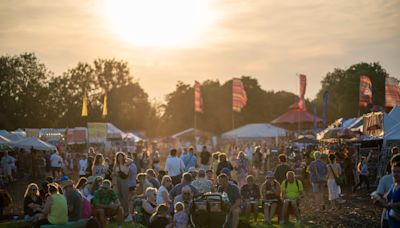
{"x": 97, "y": 132}
{"x": 105, "y": 111}
{"x": 392, "y": 92}
{"x": 315, "y": 117}
{"x": 365, "y": 97}
{"x": 239, "y": 96}
{"x": 324, "y": 108}
{"x": 84, "y": 106}
{"x": 198, "y": 101}
{"x": 303, "y": 86}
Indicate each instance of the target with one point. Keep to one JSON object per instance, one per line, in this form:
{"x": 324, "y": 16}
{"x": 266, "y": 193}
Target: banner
{"x": 76, "y": 136}
{"x": 365, "y": 97}
{"x": 324, "y": 108}
{"x": 303, "y": 86}
{"x": 32, "y": 132}
{"x": 97, "y": 132}
{"x": 239, "y": 96}
{"x": 105, "y": 112}
{"x": 198, "y": 101}
{"x": 84, "y": 106}
{"x": 392, "y": 92}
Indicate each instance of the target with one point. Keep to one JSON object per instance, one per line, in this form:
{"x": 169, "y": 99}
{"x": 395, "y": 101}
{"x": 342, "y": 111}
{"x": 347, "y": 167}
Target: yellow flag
{"x": 105, "y": 106}
{"x": 84, "y": 106}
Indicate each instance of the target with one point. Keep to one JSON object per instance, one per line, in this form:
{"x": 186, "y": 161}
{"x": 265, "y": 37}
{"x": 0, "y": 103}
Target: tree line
{"x": 31, "y": 96}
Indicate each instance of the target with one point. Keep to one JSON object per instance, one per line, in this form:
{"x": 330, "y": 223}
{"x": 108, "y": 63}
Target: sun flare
{"x": 158, "y": 23}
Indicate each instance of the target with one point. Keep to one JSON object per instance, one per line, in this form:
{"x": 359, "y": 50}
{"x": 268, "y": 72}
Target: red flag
{"x": 392, "y": 92}
{"x": 365, "y": 97}
{"x": 303, "y": 86}
{"x": 198, "y": 101}
{"x": 239, "y": 96}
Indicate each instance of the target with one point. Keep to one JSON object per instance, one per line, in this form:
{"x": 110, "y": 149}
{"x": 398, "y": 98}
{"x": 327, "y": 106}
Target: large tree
{"x": 343, "y": 87}
{"x": 23, "y": 91}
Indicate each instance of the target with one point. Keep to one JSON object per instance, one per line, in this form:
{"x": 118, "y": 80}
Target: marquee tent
{"x": 36, "y": 143}
{"x": 258, "y": 130}
{"x": 4, "y": 140}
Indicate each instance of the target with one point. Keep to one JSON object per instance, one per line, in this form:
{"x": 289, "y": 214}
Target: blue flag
{"x": 325, "y": 104}
{"x": 315, "y": 117}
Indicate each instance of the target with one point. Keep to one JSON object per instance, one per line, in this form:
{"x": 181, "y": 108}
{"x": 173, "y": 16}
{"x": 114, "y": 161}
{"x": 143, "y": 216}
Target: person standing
{"x": 318, "y": 177}
{"x": 205, "y": 159}
{"x": 121, "y": 173}
{"x": 333, "y": 188}
{"x": 155, "y": 160}
{"x": 242, "y": 168}
{"x": 189, "y": 159}
{"x": 99, "y": 168}
{"x": 249, "y": 154}
{"x": 223, "y": 163}
{"x": 56, "y": 164}
{"x": 175, "y": 167}
{"x": 362, "y": 169}
{"x": 282, "y": 169}
{"x": 83, "y": 164}
{"x": 7, "y": 163}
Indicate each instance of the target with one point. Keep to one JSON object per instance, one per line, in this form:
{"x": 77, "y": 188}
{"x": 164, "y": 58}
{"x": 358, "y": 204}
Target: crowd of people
{"x": 132, "y": 187}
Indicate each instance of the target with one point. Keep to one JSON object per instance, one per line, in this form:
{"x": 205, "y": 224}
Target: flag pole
{"x": 233, "y": 119}
{"x": 195, "y": 120}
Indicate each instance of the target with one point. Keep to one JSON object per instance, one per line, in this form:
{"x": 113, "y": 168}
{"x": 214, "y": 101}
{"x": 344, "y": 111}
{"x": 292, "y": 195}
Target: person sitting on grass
{"x": 106, "y": 204}
{"x": 271, "y": 192}
{"x": 33, "y": 204}
{"x": 159, "y": 219}
{"x": 250, "y": 193}
{"x": 55, "y": 209}
{"x": 181, "y": 218}
{"x": 292, "y": 191}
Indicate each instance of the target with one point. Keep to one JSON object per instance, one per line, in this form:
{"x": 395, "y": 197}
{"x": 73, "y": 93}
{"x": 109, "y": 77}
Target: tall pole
{"x": 233, "y": 119}
{"x": 195, "y": 120}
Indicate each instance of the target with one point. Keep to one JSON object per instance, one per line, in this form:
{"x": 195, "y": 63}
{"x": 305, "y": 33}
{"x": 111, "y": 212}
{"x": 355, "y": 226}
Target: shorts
{"x": 131, "y": 189}
{"x": 317, "y": 187}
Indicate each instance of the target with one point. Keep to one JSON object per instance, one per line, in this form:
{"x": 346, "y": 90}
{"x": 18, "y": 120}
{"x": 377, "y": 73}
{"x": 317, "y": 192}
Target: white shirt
{"x": 56, "y": 160}
{"x": 174, "y": 166}
{"x": 82, "y": 166}
{"x": 160, "y": 198}
{"x": 249, "y": 153}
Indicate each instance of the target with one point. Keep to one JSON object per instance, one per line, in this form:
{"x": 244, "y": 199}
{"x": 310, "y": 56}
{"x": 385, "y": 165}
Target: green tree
{"x": 23, "y": 91}
{"x": 343, "y": 87}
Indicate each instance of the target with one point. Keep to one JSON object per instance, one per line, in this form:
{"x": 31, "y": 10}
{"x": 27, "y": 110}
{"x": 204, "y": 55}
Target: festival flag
{"x": 324, "y": 108}
{"x": 392, "y": 92}
{"x": 315, "y": 117}
{"x": 239, "y": 97}
{"x": 303, "y": 86}
{"x": 84, "y": 106}
{"x": 105, "y": 112}
{"x": 365, "y": 97}
{"x": 198, "y": 101}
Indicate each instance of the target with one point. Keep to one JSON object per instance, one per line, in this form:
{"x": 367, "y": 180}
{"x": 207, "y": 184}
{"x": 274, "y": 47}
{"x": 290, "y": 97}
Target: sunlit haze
{"x": 187, "y": 40}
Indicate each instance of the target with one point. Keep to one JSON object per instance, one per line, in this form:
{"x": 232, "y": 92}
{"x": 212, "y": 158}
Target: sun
{"x": 158, "y": 23}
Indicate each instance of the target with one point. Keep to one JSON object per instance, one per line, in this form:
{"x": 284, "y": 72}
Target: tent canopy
{"x": 295, "y": 116}
{"x": 4, "y": 140}
{"x": 191, "y": 132}
{"x": 258, "y": 130}
{"x": 36, "y": 143}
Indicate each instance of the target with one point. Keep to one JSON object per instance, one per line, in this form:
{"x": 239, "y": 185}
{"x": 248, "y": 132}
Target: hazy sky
{"x": 187, "y": 40}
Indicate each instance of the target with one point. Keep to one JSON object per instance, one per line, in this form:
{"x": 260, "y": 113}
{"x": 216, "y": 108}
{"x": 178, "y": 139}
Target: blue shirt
{"x": 132, "y": 177}
{"x": 319, "y": 167}
{"x": 189, "y": 160}
{"x": 394, "y": 197}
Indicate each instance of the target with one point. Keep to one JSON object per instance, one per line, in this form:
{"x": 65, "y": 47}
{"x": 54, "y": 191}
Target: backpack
{"x": 86, "y": 208}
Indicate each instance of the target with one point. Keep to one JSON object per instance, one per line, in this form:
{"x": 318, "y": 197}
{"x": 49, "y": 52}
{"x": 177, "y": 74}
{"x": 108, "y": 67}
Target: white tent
{"x": 36, "y": 143}
{"x": 4, "y": 140}
{"x": 259, "y": 130}
{"x": 113, "y": 132}
{"x": 392, "y": 125}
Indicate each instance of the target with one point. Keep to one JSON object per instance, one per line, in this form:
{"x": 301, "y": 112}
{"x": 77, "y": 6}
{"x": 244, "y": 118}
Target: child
{"x": 159, "y": 218}
{"x": 181, "y": 218}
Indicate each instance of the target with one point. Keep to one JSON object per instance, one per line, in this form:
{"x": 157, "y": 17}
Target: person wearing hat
{"x": 193, "y": 171}
{"x": 107, "y": 205}
{"x": 74, "y": 200}
{"x": 270, "y": 193}
{"x": 227, "y": 172}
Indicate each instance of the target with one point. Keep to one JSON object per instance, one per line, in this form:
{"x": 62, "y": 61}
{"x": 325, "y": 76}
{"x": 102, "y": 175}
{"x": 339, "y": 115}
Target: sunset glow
{"x": 155, "y": 23}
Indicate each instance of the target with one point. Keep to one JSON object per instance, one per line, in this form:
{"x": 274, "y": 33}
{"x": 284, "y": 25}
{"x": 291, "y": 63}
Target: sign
{"x": 32, "y": 132}
{"x": 97, "y": 132}
{"x": 76, "y": 136}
